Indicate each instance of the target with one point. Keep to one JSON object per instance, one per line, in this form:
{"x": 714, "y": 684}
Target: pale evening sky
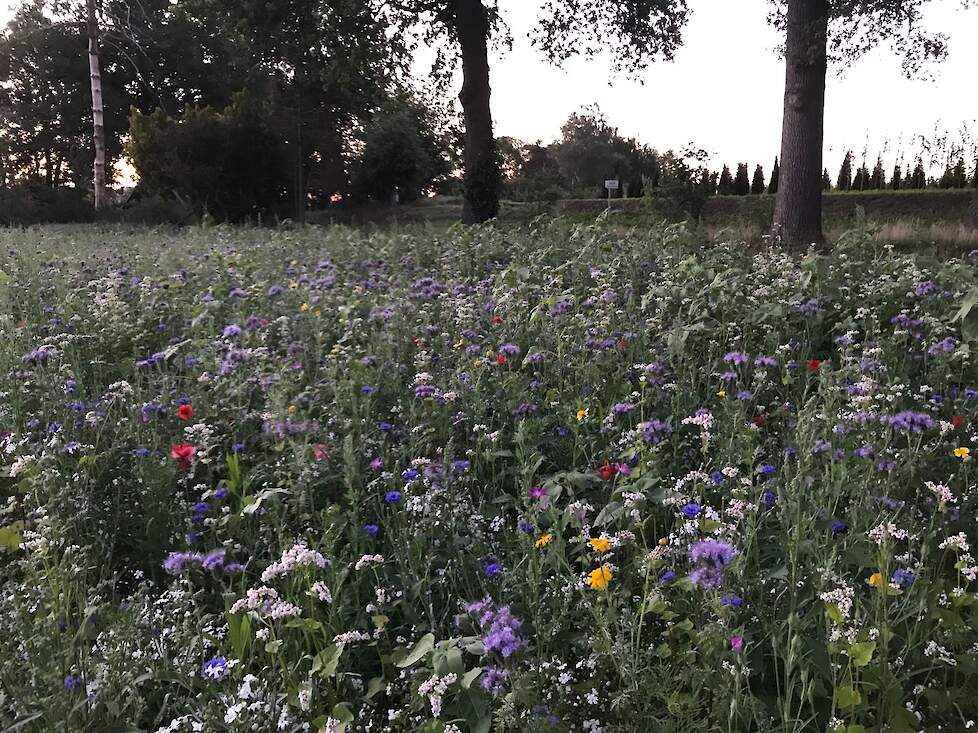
{"x": 724, "y": 90}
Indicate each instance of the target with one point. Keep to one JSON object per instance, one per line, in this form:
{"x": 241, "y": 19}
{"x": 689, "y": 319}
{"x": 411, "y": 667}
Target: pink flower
{"x": 376, "y": 463}
{"x": 537, "y": 492}
{"x": 320, "y": 453}
{"x": 737, "y": 643}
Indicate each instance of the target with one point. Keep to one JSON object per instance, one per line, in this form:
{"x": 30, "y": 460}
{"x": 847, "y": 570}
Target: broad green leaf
{"x": 421, "y": 649}
{"x": 861, "y": 653}
{"x": 848, "y": 697}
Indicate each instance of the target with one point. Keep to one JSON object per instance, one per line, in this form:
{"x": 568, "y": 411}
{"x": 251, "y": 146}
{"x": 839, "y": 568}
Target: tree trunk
{"x": 98, "y": 117}
{"x": 973, "y": 210}
{"x": 482, "y": 177}
{"x": 798, "y": 207}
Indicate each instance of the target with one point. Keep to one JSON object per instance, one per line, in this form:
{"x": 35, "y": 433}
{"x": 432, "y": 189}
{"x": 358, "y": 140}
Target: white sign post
{"x": 611, "y": 185}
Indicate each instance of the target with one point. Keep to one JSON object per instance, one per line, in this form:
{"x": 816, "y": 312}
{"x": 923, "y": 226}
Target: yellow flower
{"x": 581, "y": 414}
{"x": 459, "y": 344}
{"x": 962, "y": 452}
{"x": 544, "y": 540}
{"x": 293, "y": 285}
{"x": 293, "y": 409}
{"x": 477, "y": 363}
{"x": 600, "y": 544}
{"x": 722, "y": 393}
{"x": 304, "y": 307}
{"x": 599, "y": 578}
{"x": 876, "y": 580}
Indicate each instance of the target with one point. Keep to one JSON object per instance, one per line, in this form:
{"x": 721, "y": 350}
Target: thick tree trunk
{"x": 98, "y": 117}
{"x": 482, "y": 177}
{"x": 798, "y": 208}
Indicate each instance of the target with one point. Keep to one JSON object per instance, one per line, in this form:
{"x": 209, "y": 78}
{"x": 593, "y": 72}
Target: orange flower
{"x": 876, "y": 580}
{"x": 600, "y": 544}
{"x": 599, "y": 578}
{"x": 544, "y": 540}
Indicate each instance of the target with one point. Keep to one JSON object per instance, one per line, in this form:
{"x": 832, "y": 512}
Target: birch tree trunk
{"x": 98, "y": 117}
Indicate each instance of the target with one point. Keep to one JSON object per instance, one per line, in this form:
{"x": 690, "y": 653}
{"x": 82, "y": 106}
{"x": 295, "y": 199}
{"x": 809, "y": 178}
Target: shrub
{"x": 227, "y": 164}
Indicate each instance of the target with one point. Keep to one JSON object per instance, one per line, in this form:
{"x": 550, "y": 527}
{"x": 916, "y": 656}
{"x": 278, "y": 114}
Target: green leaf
{"x": 375, "y": 685}
{"x": 326, "y": 661}
{"x": 10, "y": 538}
{"x": 469, "y": 677}
{"x": 848, "y": 697}
{"x": 421, "y": 649}
{"x": 861, "y": 653}
{"x": 834, "y": 613}
{"x": 342, "y": 713}
{"x": 272, "y": 647}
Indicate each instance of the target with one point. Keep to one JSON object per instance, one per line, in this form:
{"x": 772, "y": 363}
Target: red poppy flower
{"x": 958, "y": 420}
{"x": 814, "y": 364}
{"x": 185, "y": 412}
{"x": 183, "y": 454}
{"x": 501, "y": 359}
{"x": 418, "y": 341}
{"x": 606, "y": 471}
{"x": 622, "y": 344}
{"x": 760, "y": 420}
{"x": 497, "y": 320}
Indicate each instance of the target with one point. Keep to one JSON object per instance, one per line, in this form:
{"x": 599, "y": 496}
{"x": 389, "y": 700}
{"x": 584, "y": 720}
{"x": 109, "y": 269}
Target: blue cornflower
{"x": 201, "y": 506}
{"x": 366, "y": 389}
{"x": 410, "y": 474}
{"x": 493, "y": 569}
{"x": 667, "y": 576}
{"x": 692, "y": 510}
{"x": 732, "y": 601}
{"x": 392, "y": 497}
{"x": 385, "y": 427}
{"x": 237, "y": 448}
{"x": 72, "y": 682}
{"x": 839, "y": 527}
{"x": 769, "y": 497}
{"x": 371, "y": 529}
{"x": 767, "y": 469}
{"x": 903, "y": 578}
{"x": 215, "y": 669}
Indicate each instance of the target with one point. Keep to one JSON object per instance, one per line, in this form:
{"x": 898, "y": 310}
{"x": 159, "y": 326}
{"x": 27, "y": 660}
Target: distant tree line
{"x": 248, "y": 108}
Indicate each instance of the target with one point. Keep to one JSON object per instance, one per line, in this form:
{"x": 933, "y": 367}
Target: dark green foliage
{"x": 45, "y": 100}
{"x": 226, "y": 164}
{"x": 591, "y": 151}
{"x": 757, "y": 184}
{"x": 877, "y": 180}
{"x": 897, "y": 180}
{"x": 638, "y": 30}
{"x": 844, "y": 181}
{"x": 918, "y": 179}
{"x": 959, "y": 176}
{"x": 685, "y": 184}
{"x": 401, "y": 156}
{"x": 775, "y": 174}
{"x": 826, "y": 180}
{"x": 26, "y": 204}
{"x": 741, "y": 181}
{"x": 531, "y": 171}
{"x": 861, "y": 181}
{"x": 725, "y": 186}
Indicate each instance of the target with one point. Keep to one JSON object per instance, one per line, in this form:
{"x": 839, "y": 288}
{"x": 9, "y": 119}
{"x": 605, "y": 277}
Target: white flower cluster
{"x": 434, "y": 689}
{"x": 296, "y": 556}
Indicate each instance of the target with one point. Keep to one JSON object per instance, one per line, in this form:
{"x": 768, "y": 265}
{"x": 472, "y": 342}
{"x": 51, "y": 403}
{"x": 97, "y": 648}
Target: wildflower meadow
{"x": 546, "y": 478}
